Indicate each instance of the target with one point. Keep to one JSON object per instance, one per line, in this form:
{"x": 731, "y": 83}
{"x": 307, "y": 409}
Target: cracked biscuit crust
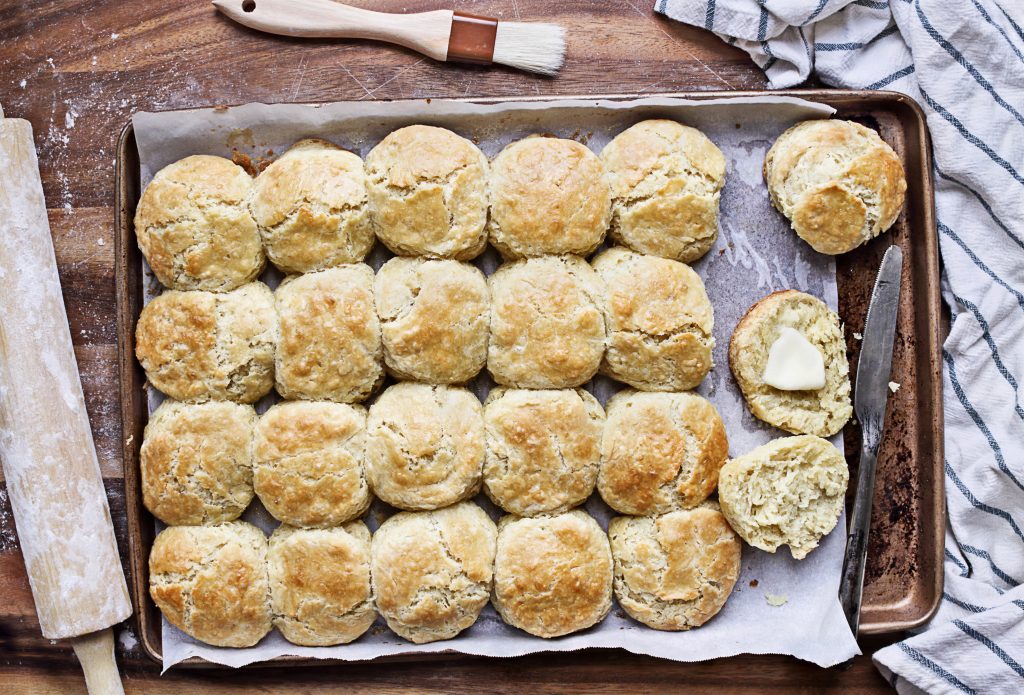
{"x": 194, "y": 228}
{"x": 311, "y": 208}
{"x": 310, "y": 462}
{"x": 789, "y": 491}
{"x": 837, "y": 181}
{"x": 822, "y": 412}
{"x": 320, "y": 584}
{"x": 548, "y": 196}
{"x": 676, "y": 571}
{"x": 432, "y": 571}
{"x": 425, "y": 445}
{"x": 666, "y": 181}
{"x": 543, "y": 449}
{"x": 427, "y": 192}
{"x": 198, "y": 346}
{"x": 196, "y": 462}
{"x": 211, "y": 582}
{"x": 661, "y": 452}
{"x": 330, "y": 345}
{"x": 659, "y": 322}
{"x": 552, "y": 575}
{"x": 547, "y": 328}
{"x": 434, "y": 317}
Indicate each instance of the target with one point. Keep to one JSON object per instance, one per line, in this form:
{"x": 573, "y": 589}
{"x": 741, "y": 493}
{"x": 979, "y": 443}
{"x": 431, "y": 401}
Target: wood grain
{"x": 78, "y": 69}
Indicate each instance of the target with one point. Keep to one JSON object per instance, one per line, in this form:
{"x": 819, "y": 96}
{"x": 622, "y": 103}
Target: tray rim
{"x": 127, "y": 365}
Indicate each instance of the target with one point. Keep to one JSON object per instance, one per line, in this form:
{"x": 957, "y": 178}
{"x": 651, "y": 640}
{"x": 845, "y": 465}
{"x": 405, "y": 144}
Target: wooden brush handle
{"x": 425, "y": 32}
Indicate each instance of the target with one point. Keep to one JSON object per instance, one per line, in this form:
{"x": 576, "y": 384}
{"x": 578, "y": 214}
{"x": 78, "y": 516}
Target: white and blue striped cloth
{"x": 963, "y": 61}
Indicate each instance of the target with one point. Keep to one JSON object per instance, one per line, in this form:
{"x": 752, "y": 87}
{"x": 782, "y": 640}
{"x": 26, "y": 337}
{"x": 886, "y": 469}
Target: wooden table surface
{"x": 78, "y": 69}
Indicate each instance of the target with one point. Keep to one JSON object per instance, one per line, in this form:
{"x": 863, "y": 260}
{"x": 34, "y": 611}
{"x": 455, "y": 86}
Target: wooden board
{"x": 100, "y": 61}
{"x": 904, "y": 575}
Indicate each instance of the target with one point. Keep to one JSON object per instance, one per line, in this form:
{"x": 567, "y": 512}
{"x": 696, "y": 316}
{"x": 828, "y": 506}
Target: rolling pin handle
{"x": 95, "y": 652}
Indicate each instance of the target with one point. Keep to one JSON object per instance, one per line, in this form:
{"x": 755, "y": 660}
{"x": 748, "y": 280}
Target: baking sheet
{"x": 755, "y": 254}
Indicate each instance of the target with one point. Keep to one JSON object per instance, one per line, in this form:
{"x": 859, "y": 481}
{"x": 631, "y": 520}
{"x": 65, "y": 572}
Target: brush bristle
{"x": 532, "y": 47}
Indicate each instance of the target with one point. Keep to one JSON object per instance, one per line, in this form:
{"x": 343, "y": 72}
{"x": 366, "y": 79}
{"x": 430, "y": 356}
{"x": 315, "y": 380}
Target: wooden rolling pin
{"x": 49, "y": 460}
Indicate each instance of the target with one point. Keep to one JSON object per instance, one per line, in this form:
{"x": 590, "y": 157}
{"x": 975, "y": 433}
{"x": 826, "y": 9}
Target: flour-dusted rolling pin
{"x": 49, "y": 461}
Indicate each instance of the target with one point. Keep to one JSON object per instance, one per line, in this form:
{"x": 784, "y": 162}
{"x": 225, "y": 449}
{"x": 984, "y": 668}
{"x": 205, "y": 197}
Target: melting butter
{"x": 794, "y": 364}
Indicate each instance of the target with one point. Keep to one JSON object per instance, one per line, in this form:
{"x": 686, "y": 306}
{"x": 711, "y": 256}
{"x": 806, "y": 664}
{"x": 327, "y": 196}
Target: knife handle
{"x": 851, "y": 585}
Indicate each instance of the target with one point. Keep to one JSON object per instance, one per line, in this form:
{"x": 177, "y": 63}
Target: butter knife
{"x": 873, "y": 377}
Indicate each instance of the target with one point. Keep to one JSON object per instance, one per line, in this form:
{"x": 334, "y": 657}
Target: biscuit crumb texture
{"x": 199, "y": 346}
{"x": 434, "y": 318}
{"x": 310, "y": 463}
{"x": 211, "y": 582}
{"x": 194, "y": 227}
{"x": 660, "y": 452}
{"x": 548, "y": 196}
{"x": 837, "y": 181}
{"x": 552, "y": 574}
{"x": 311, "y": 208}
{"x": 425, "y": 446}
{"x": 787, "y": 492}
{"x": 427, "y": 189}
{"x": 330, "y": 346}
{"x": 666, "y": 181}
{"x": 547, "y": 328}
{"x": 320, "y": 584}
{"x": 432, "y": 571}
{"x": 822, "y": 412}
{"x": 543, "y": 449}
{"x": 196, "y": 462}
{"x": 659, "y": 321}
{"x": 676, "y": 571}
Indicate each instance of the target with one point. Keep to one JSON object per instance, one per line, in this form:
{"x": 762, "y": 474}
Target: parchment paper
{"x": 755, "y": 254}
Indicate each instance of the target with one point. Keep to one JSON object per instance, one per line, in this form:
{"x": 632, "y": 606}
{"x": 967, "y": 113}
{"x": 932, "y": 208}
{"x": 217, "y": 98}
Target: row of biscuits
{"x": 547, "y": 322}
{"x": 204, "y": 224}
{"x": 423, "y": 447}
{"x": 430, "y": 573}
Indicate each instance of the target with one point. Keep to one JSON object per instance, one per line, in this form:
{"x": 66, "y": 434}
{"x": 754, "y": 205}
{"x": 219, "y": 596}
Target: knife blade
{"x": 872, "y": 392}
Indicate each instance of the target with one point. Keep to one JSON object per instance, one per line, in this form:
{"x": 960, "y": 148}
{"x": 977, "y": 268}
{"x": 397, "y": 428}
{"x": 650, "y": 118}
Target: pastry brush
{"x": 440, "y": 34}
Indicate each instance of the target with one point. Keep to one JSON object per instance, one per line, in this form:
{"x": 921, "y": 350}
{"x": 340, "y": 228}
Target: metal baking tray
{"x": 903, "y": 580}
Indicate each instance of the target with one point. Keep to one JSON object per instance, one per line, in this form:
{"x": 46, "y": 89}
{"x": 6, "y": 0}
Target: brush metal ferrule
{"x": 472, "y": 39}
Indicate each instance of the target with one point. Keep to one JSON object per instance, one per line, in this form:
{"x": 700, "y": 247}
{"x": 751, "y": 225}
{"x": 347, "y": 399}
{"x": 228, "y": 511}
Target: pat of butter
{"x": 794, "y": 364}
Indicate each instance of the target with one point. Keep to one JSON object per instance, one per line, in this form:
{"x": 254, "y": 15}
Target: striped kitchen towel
{"x": 963, "y": 61}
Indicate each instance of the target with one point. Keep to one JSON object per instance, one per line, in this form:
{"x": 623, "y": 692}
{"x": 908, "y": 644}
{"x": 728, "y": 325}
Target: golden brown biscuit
{"x": 193, "y": 225}
{"x": 552, "y": 574}
{"x": 789, "y": 491}
{"x": 666, "y": 181}
{"x": 675, "y": 571}
{"x": 425, "y": 446}
{"x": 428, "y": 197}
{"x": 320, "y": 583}
{"x": 822, "y": 412}
{"x": 330, "y": 345}
{"x": 838, "y": 182}
{"x": 660, "y": 452}
{"x": 432, "y": 571}
{"x": 548, "y": 196}
{"x": 434, "y": 317}
{"x": 210, "y": 582}
{"x": 547, "y": 329}
{"x": 543, "y": 449}
{"x": 659, "y": 321}
{"x": 311, "y": 208}
{"x": 198, "y": 346}
{"x": 196, "y": 462}
{"x": 310, "y": 462}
